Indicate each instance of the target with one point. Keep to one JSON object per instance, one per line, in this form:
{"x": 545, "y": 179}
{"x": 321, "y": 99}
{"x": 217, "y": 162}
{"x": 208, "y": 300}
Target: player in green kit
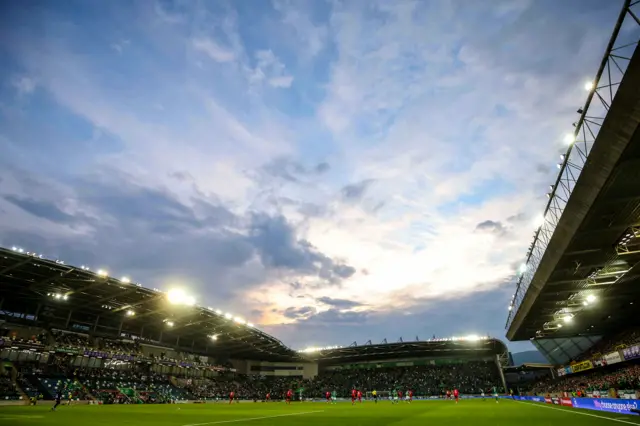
{"x": 334, "y": 397}
{"x": 495, "y": 394}
{"x": 395, "y": 396}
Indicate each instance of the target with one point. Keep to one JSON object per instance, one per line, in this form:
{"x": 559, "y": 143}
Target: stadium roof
{"x": 51, "y": 294}
{"x": 582, "y": 275}
{"x": 407, "y": 350}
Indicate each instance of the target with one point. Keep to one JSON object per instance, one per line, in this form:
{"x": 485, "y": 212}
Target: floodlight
{"x": 228, "y": 316}
{"x": 239, "y": 320}
{"x": 65, "y": 297}
{"x": 218, "y": 311}
{"x": 131, "y": 313}
{"x": 510, "y": 307}
{"x": 569, "y": 138}
{"x": 178, "y": 297}
{"x": 214, "y": 337}
{"x": 523, "y": 268}
{"x": 20, "y": 250}
{"x": 102, "y": 273}
{"x": 588, "y": 86}
{"x": 169, "y": 323}
{"x": 539, "y": 220}
{"x": 58, "y": 296}
{"x": 14, "y": 248}
{"x": 559, "y": 325}
{"x": 250, "y": 324}
{"x": 125, "y": 280}
{"x": 591, "y": 298}
{"x": 567, "y": 319}
{"x": 472, "y": 338}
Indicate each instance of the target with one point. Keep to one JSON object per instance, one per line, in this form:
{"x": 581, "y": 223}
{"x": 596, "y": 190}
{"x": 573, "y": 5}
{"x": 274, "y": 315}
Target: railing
{"x": 603, "y": 88}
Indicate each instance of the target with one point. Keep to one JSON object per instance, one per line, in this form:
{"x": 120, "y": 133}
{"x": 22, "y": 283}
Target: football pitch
{"x": 441, "y": 413}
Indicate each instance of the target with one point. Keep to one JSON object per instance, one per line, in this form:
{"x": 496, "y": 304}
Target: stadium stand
{"x": 105, "y": 340}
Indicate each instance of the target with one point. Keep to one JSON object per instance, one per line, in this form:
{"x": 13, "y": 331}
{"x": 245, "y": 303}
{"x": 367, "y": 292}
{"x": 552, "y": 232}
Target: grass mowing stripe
{"x": 537, "y": 404}
{"x": 254, "y": 418}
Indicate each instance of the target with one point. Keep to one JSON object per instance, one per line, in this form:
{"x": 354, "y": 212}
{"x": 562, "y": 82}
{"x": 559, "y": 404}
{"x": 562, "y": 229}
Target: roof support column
{"x": 95, "y": 324}
{"x": 37, "y": 311}
{"x": 178, "y": 341}
{"x": 68, "y": 318}
{"x": 120, "y": 327}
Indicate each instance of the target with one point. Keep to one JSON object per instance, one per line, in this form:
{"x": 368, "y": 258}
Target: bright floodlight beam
{"x": 523, "y": 268}
{"x": 539, "y": 220}
{"x": 591, "y": 298}
{"x": 569, "y": 138}
{"x": 179, "y": 297}
{"x": 102, "y": 273}
{"x": 567, "y": 319}
{"x": 588, "y": 86}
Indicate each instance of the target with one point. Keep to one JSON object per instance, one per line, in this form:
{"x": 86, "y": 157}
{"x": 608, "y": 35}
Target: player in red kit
{"x": 456, "y": 394}
{"x": 328, "y": 396}
{"x": 448, "y": 394}
{"x": 360, "y": 396}
{"x": 232, "y": 395}
{"x": 410, "y": 395}
{"x": 354, "y": 394}
{"x": 289, "y": 396}
{"x": 399, "y": 395}
{"x": 267, "y": 398}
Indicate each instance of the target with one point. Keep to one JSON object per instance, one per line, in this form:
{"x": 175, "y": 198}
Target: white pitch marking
{"x": 580, "y": 412}
{"x": 253, "y": 418}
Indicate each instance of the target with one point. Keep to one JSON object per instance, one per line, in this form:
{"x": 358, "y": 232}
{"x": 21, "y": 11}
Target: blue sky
{"x": 333, "y": 171}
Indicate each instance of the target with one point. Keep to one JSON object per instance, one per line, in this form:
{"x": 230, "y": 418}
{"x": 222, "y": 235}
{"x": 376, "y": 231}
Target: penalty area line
{"x": 250, "y": 419}
{"x": 535, "y": 404}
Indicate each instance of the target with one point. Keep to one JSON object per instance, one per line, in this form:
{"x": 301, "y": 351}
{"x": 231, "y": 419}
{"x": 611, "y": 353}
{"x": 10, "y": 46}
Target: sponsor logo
{"x": 582, "y": 366}
{"x": 566, "y": 402}
{"x": 547, "y": 400}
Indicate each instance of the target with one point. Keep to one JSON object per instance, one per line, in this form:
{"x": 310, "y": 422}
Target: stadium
{"x": 99, "y": 349}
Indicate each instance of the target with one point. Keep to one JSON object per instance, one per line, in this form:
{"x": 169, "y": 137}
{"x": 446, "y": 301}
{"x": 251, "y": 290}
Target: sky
{"x": 332, "y": 171}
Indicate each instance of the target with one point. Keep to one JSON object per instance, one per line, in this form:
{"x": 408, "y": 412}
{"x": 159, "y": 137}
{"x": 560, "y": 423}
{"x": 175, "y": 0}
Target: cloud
{"x": 339, "y": 303}
{"x": 490, "y": 226}
{"x": 355, "y": 191}
{"x": 40, "y": 209}
{"x": 24, "y": 85}
{"x": 271, "y": 70}
{"x": 318, "y": 168}
{"x": 214, "y": 50}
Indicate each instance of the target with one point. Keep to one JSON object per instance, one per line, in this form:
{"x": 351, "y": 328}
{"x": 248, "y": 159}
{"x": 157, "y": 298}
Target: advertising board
{"x": 631, "y": 352}
{"x": 566, "y": 402}
{"x": 582, "y": 366}
{"x": 623, "y": 406}
{"x": 612, "y": 358}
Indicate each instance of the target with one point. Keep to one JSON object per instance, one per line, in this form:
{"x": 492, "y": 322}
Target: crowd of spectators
{"x": 8, "y": 390}
{"x": 621, "y": 340}
{"x": 624, "y": 377}
{"x": 469, "y": 378}
{"x": 72, "y": 340}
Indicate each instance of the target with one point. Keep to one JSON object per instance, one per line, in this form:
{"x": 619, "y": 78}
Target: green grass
{"x": 440, "y": 413}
